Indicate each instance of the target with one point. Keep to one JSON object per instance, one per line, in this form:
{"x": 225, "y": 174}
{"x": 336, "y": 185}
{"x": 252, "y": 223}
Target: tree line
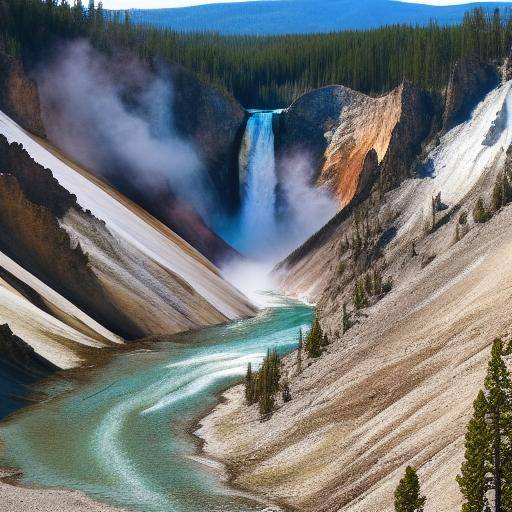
{"x": 268, "y": 71}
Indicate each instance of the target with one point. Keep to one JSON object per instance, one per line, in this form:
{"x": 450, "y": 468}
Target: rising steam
{"x": 108, "y": 114}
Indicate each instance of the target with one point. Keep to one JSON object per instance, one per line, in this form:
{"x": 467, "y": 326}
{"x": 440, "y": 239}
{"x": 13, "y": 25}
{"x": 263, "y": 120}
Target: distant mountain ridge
{"x": 272, "y": 17}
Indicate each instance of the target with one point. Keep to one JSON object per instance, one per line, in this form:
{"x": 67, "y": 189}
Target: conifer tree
{"x": 480, "y": 212}
{"x": 499, "y": 414}
{"x": 407, "y": 495}
{"x": 249, "y": 385}
{"x": 286, "y": 392}
{"x": 299, "y": 352}
{"x": 489, "y": 442}
{"x": 346, "y": 320}
{"x": 314, "y": 340}
{"x": 472, "y": 481}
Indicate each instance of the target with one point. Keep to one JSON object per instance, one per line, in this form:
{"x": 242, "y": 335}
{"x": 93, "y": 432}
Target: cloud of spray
{"x": 305, "y": 209}
{"x": 110, "y": 114}
{"x": 308, "y": 207}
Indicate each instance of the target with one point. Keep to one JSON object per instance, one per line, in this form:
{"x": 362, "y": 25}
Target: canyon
{"x": 95, "y": 253}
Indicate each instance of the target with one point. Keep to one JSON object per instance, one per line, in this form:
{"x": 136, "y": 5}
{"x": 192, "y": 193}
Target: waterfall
{"x": 257, "y": 231}
{"x": 259, "y": 182}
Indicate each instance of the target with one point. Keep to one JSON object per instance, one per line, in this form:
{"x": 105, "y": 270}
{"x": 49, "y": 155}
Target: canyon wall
{"x": 340, "y": 131}
{"x": 19, "y": 95}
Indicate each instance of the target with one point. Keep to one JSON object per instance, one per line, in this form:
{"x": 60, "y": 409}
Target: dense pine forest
{"x": 267, "y": 71}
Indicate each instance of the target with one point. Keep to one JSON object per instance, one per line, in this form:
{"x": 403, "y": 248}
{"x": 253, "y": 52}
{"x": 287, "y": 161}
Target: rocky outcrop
{"x": 32, "y": 236}
{"x": 337, "y": 128}
{"x": 215, "y": 121}
{"x": 19, "y": 96}
{"x": 20, "y": 366}
{"x": 470, "y": 80}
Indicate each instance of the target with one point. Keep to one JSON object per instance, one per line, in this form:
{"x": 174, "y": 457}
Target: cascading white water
{"x": 258, "y": 231}
{"x": 258, "y": 215}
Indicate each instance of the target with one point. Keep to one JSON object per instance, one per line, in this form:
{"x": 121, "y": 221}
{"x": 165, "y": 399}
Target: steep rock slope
{"x": 469, "y": 80}
{"x": 397, "y": 387}
{"x": 339, "y": 129}
{"x": 181, "y": 121}
{"x": 19, "y": 95}
{"x": 151, "y": 281}
{"x": 20, "y": 365}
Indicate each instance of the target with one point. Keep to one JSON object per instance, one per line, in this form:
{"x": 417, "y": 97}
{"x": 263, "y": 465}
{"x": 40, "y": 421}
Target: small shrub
{"x": 480, "y": 212}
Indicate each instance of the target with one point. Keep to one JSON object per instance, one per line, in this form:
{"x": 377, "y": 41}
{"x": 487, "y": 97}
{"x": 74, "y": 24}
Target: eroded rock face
{"x": 19, "y": 96}
{"x": 215, "y": 122}
{"x": 20, "y": 365}
{"x": 31, "y": 204}
{"x": 337, "y": 128}
{"x": 470, "y": 80}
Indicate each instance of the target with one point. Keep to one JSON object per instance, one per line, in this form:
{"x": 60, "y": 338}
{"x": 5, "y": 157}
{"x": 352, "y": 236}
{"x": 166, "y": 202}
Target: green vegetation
{"x": 487, "y": 464}
{"x": 502, "y": 192}
{"x": 369, "y": 286}
{"x": 346, "y": 319}
{"x": 315, "y": 340}
{"x": 480, "y": 212}
{"x": 268, "y": 71}
{"x": 262, "y": 386}
{"x": 408, "y": 497}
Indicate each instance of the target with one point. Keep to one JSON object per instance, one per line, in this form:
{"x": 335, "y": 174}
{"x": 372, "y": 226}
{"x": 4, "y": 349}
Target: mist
{"x": 115, "y": 116}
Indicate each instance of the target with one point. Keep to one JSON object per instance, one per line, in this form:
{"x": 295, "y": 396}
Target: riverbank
{"x": 102, "y": 434}
{"x": 22, "y": 499}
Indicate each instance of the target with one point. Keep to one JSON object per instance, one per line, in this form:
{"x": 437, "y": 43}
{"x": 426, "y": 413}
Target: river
{"x": 121, "y": 432}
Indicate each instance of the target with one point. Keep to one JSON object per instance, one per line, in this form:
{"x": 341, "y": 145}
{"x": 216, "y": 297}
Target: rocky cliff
{"x": 19, "y": 95}
{"x": 20, "y": 365}
{"x": 215, "y": 121}
{"x": 168, "y": 103}
{"x": 341, "y": 131}
{"x": 470, "y": 79}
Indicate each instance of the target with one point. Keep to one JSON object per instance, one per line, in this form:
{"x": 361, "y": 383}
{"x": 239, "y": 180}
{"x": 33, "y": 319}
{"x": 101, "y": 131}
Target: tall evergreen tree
{"x": 473, "y": 481}
{"x": 499, "y": 415}
{"x": 314, "y": 340}
{"x": 299, "y": 352}
{"x": 408, "y": 497}
{"x": 488, "y": 457}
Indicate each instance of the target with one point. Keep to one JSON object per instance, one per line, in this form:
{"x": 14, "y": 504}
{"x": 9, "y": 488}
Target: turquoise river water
{"x": 121, "y": 432}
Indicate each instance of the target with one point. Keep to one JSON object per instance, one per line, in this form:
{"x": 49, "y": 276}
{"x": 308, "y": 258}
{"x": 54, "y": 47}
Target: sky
{"x": 155, "y": 4}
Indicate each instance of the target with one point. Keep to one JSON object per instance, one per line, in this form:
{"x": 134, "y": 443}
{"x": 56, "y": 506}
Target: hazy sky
{"x": 155, "y": 4}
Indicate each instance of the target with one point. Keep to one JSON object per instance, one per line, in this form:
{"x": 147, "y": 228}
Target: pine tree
{"x": 498, "y": 194}
{"x": 286, "y": 392}
{"x": 299, "y": 352}
{"x": 480, "y": 213}
{"x": 314, "y": 340}
{"x": 346, "y": 320}
{"x": 407, "y": 495}
{"x": 249, "y": 385}
{"x": 472, "y": 481}
{"x": 360, "y": 297}
{"x": 489, "y": 442}
{"x": 499, "y": 390}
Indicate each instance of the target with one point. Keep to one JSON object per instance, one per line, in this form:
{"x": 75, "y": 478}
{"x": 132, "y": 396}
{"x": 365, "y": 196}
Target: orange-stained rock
{"x": 338, "y": 128}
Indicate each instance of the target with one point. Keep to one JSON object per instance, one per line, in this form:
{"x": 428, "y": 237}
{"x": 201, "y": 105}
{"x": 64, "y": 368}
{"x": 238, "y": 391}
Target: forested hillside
{"x": 269, "y": 71}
